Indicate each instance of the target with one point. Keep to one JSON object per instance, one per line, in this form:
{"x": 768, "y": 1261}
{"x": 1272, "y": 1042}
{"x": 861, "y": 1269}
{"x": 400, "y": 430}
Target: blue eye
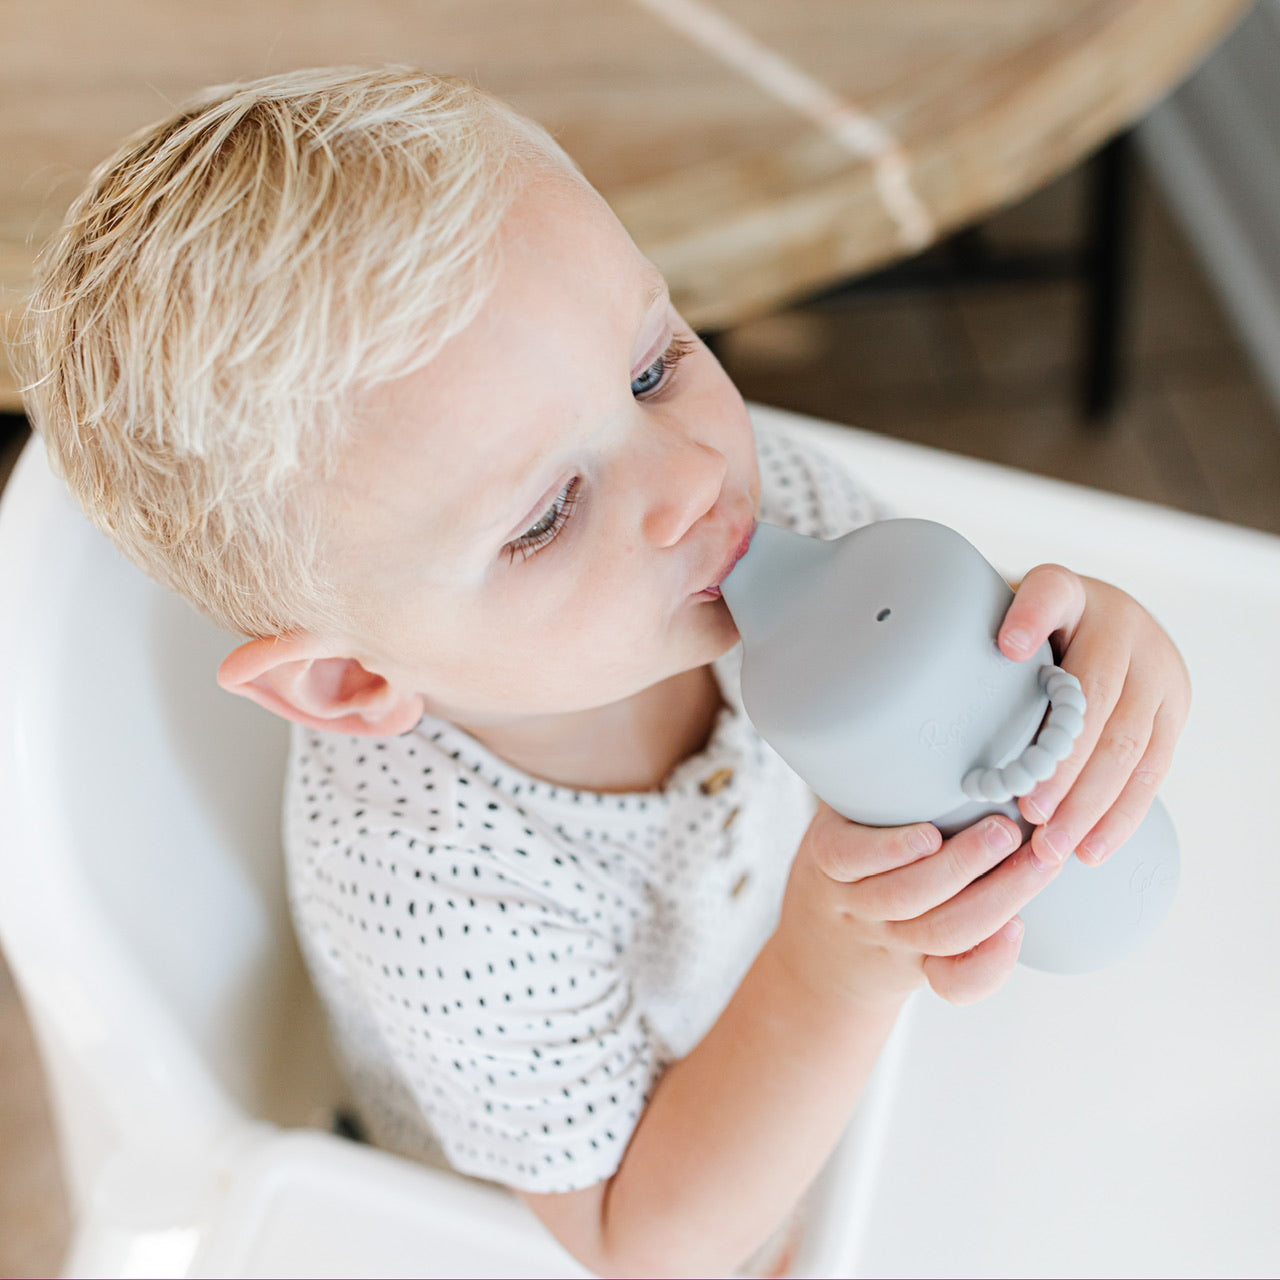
{"x": 661, "y": 371}
{"x": 650, "y": 378}
{"x": 547, "y": 528}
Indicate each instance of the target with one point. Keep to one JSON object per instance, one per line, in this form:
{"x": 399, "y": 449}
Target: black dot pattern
{"x": 509, "y": 965}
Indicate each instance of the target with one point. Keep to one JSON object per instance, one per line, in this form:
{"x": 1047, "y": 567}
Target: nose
{"x": 688, "y": 478}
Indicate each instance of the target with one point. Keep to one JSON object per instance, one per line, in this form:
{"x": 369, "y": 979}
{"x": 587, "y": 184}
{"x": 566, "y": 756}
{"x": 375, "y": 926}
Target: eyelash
{"x": 554, "y": 519}
{"x": 666, "y": 364}
{"x": 548, "y": 527}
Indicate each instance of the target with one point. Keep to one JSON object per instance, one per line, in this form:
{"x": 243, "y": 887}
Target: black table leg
{"x": 12, "y": 424}
{"x": 1106, "y": 280}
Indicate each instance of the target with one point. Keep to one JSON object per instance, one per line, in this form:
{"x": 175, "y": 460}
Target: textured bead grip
{"x": 1042, "y": 757}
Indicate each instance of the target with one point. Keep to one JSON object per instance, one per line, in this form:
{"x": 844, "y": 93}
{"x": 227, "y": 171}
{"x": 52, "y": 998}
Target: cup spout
{"x": 768, "y": 582}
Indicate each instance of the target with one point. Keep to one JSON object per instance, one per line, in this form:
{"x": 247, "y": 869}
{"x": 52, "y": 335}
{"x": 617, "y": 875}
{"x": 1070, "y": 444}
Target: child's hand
{"x": 1138, "y": 694}
{"x": 871, "y": 913}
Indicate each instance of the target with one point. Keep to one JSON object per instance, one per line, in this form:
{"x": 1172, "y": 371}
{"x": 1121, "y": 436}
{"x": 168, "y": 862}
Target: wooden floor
{"x": 988, "y": 373}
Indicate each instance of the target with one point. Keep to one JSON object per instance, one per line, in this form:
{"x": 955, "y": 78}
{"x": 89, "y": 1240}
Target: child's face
{"x": 532, "y": 521}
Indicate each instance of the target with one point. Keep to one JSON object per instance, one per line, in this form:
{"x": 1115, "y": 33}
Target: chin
{"x": 719, "y": 627}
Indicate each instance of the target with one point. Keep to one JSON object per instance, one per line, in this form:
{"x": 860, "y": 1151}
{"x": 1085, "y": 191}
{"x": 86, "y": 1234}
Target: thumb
{"x": 967, "y": 978}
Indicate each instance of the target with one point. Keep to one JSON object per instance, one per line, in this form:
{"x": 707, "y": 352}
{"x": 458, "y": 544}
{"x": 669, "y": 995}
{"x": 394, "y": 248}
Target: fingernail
{"x": 1056, "y": 846}
{"x": 1015, "y": 640}
{"x": 1014, "y": 930}
{"x": 1034, "y": 807}
{"x": 920, "y": 841}
{"x": 999, "y": 837}
{"x": 1092, "y": 850}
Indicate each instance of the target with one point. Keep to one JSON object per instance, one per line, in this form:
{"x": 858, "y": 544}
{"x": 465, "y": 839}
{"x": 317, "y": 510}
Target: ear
{"x": 294, "y": 677}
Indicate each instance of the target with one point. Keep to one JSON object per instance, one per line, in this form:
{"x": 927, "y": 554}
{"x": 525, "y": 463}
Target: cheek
{"x": 613, "y": 633}
{"x": 722, "y": 404}
{"x": 555, "y": 621}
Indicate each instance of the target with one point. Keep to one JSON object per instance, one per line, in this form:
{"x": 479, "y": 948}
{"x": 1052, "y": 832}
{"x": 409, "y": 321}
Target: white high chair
{"x": 1122, "y": 1123}
{"x": 142, "y": 910}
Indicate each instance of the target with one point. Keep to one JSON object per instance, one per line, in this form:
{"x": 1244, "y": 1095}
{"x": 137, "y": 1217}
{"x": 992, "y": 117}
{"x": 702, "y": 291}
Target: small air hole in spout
{"x": 883, "y": 614}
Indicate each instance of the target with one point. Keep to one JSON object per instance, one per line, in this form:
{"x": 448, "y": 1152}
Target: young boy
{"x": 359, "y": 363}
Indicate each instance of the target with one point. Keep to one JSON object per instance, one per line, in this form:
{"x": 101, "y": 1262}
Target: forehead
{"x": 440, "y": 455}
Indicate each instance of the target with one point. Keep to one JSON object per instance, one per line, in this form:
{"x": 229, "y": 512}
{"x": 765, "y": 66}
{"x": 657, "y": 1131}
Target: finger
{"x": 977, "y": 911}
{"x": 1103, "y": 655}
{"x": 1130, "y": 808}
{"x": 979, "y": 972}
{"x": 1048, "y": 600}
{"x": 1091, "y": 664}
{"x": 849, "y": 852}
{"x": 1119, "y": 752}
{"x": 910, "y": 891}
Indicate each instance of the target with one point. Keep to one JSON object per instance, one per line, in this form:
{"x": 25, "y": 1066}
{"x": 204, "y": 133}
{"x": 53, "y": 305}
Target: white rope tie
{"x": 859, "y": 133}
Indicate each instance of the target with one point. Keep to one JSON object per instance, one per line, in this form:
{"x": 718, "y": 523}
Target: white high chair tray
{"x": 1125, "y": 1122}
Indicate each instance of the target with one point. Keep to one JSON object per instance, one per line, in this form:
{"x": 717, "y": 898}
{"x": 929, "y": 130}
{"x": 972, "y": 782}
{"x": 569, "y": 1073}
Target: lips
{"x": 738, "y": 550}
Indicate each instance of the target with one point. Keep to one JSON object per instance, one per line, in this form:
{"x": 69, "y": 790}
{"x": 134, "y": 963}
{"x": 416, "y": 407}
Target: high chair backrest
{"x": 142, "y": 905}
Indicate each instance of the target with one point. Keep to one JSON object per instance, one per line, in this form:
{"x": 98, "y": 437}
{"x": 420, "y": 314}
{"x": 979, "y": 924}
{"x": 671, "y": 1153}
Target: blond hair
{"x": 230, "y": 281}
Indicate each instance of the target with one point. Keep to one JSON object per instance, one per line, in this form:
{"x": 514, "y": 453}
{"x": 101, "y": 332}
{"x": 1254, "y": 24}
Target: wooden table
{"x": 757, "y": 149}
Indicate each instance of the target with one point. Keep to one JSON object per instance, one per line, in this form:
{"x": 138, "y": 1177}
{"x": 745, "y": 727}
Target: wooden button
{"x": 743, "y": 880}
{"x": 730, "y": 818}
{"x": 716, "y": 782}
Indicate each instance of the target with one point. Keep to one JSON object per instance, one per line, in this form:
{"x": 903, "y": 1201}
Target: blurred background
{"x": 1046, "y": 234}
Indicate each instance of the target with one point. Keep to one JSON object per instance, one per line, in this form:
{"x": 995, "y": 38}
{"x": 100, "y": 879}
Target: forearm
{"x": 738, "y": 1129}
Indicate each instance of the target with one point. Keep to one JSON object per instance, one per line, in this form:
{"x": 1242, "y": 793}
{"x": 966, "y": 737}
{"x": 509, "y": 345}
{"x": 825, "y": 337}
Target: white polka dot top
{"x": 509, "y": 965}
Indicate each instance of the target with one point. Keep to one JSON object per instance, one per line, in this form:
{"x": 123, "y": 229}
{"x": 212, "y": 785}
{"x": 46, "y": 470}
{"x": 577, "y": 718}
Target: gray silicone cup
{"x": 870, "y": 665}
